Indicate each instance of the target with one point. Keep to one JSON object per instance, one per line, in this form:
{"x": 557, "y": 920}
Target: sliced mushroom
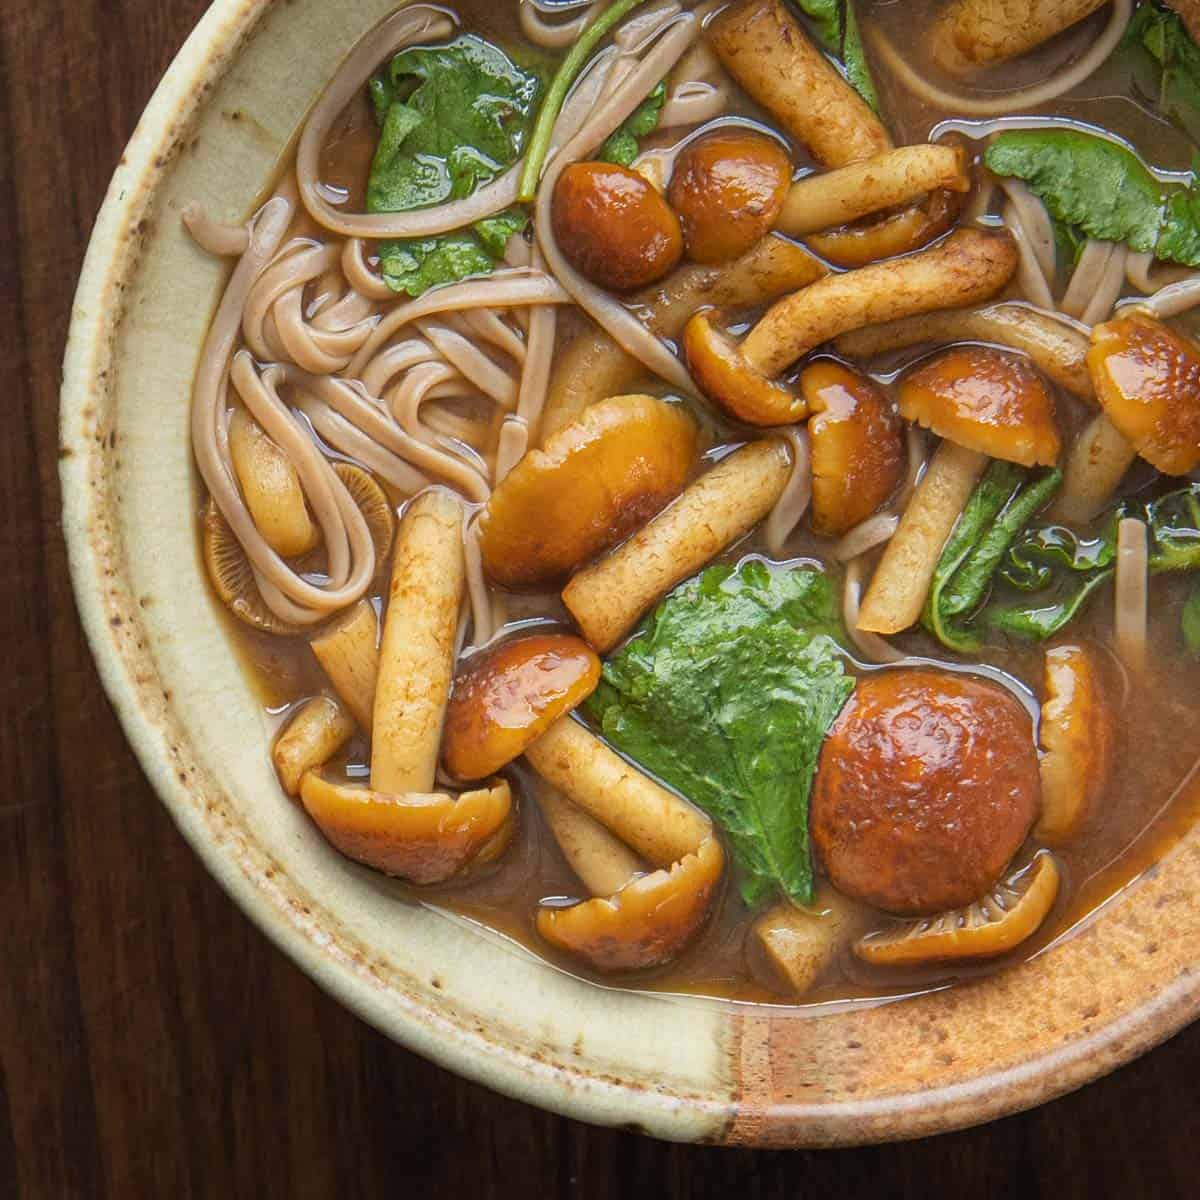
{"x": 728, "y": 187}
{"x": 801, "y": 943}
{"x": 271, "y": 488}
{"x": 1147, "y": 378}
{"x": 971, "y": 34}
{"x": 984, "y": 400}
{"x": 764, "y": 48}
{"x": 1006, "y": 916}
{"x": 318, "y": 730}
{"x": 506, "y": 697}
{"x": 856, "y": 444}
{"x": 722, "y": 506}
{"x": 399, "y": 825}
{"x": 1078, "y": 734}
{"x": 348, "y": 650}
{"x": 926, "y": 787}
{"x": 594, "y": 366}
{"x": 595, "y": 482}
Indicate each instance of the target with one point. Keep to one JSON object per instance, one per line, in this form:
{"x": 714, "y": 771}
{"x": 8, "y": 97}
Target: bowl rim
{"x": 94, "y": 546}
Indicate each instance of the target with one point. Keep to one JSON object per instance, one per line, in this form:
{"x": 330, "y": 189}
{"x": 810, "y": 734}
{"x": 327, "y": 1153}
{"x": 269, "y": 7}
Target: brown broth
{"x": 1154, "y": 796}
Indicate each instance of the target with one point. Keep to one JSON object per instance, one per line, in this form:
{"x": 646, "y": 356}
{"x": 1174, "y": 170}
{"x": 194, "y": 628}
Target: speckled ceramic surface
{"x": 678, "y": 1068}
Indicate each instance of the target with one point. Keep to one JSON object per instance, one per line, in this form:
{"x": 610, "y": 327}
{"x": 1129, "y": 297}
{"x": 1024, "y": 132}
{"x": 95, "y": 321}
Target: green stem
{"x": 567, "y": 73}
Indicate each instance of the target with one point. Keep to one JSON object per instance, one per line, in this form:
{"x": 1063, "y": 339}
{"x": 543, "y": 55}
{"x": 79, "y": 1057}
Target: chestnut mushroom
{"x": 591, "y": 486}
{"x": 800, "y": 944}
{"x": 1008, "y": 914}
{"x": 348, "y": 650}
{"x": 970, "y": 34}
{"x": 856, "y": 446}
{"x": 315, "y": 733}
{"x": 926, "y": 787}
{"x": 399, "y": 825}
{"x": 1078, "y": 733}
{"x": 614, "y": 227}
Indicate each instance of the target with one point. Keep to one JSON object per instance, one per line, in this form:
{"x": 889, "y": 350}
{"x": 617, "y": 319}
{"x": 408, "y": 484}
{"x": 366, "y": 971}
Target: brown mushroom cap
{"x": 594, "y": 483}
{"x": 1147, "y": 378}
{"x": 1010, "y": 912}
{"x": 857, "y": 450}
{"x": 728, "y": 187}
{"x": 647, "y": 923}
{"x": 508, "y": 696}
{"x": 727, "y": 379}
{"x": 1078, "y": 733}
{"x": 984, "y": 400}
{"x": 926, "y": 788}
{"x": 422, "y": 838}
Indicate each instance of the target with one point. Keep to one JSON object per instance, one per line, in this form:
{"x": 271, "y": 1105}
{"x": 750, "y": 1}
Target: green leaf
{"x": 726, "y": 694}
{"x": 1069, "y": 242}
{"x": 622, "y": 145}
{"x": 854, "y": 59}
{"x": 827, "y": 17}
{"x": 1166, "y": 64}
{"x": 416, "y": 266}
{"x": 1191, "y": 620}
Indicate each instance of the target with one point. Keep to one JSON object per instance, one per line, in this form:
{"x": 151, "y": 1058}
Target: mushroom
{"x": 594, "y": 365}
{"x": 317, "y": 731}
{"x": 984, "y": 400}
{"x": 398, "y": 825}
{"x": 801, "y": 943}
{"x": 926, "y": 786}
{"x": 856, "y": 445}
{"x": 728, "y": 188}
{"x": 1006, "y": 916}
{"x": 1095, "y": 465}
{"x": 602, "y": 861}
{"x": 507, "y": 696}
{"x": 765, "y": 49}
{"x": 613, "y": 226}
{"x": 595, "y": 482}
{"x": 1147, "y": 378}
{"x": 971, "y": 34}
{"x": 230, "y": 570}
{"x": 607, "y": 598}
{"x": 650, "y": 918}
{"x": 271, "y": 488}
{"x": 1078, "y": 734}
{"x": 348, "y": 650}
{"x": 967, "y": 267}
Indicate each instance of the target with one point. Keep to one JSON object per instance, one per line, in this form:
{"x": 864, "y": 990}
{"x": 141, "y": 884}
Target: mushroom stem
{"x": 416, "y": 660}
{"x": 978, "y": 33}
{"x": 313, "y": 736}
{"x": 766, "y": 51}
{"x": 723, "y": 505}
{"x": 801, "y": 943}
{"x": 349, "y": 653}
{"x": 656, "y": 823}
{"x": 825, "y": 200}
{"x": 1095, "y": 465}
{"x": 594, "y": 366}
{"x": 1131, "y": 595}
{"x": 901, "y": 581}
{"x": 602, "y": 861}
{"x": 969, "y": 266}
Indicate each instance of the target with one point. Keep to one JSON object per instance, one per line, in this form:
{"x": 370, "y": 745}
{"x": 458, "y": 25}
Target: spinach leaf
{"x": 1102, "y": 189}
{"x": 827, "y": 17}
{"x": 1191, "y": 620}
{"x": 1003, "y": 503}
{"x": 1166, "y": 64}
{"x": 726, "y": 694}
{"x": 835, "y": 24}
{"x": 452, "y": 117}
{"x": 622, "y": 145}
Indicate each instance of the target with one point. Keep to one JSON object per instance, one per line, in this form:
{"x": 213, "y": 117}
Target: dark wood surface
{"x": 152, "y": 1043}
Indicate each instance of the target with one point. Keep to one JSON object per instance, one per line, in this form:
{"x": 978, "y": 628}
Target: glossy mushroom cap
{"x": 594, "y": 483}
{"x": 1147, "y": 378}
{"x": 926, "y": 788}
{"x": 857, "y": 449}
{"x": 506, "y": 697}
{"x": 984, "y": 400}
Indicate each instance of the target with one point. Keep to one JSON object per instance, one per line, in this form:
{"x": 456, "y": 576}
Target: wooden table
{"x": 152, "y": 1043}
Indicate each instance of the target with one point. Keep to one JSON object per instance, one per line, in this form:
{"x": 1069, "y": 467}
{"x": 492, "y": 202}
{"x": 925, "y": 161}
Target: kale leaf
{"x": 622, "y": 145}
{"x": 726, "y": 694}
{"x": 452, "y": 118}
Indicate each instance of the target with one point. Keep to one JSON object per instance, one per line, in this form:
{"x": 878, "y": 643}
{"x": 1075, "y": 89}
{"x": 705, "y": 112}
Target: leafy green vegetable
{"x": 726, "y": 694}
{"x": 622, "y": 144}
{"x": 827, "y": 17}
{"x": 452, "y": 118}
{"x": 1069, "y": 242}
{"x": 835, "y": 23}
{"x": 1167, "y": 64}
{"x": 1191, "y": 620}
{"x": 1102, "y": 189}
{"x": 1003, "y": 503}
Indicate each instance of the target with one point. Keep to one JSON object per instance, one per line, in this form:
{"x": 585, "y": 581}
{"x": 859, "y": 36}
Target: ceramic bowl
{"x": 678, "y": 1068}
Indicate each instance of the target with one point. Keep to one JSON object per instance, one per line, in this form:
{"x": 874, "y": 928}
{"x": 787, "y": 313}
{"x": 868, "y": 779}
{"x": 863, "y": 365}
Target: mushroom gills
{"x": 995, "y": 924}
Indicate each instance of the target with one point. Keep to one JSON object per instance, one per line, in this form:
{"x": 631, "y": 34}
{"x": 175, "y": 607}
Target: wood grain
{"x": 152, "y": 1043}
